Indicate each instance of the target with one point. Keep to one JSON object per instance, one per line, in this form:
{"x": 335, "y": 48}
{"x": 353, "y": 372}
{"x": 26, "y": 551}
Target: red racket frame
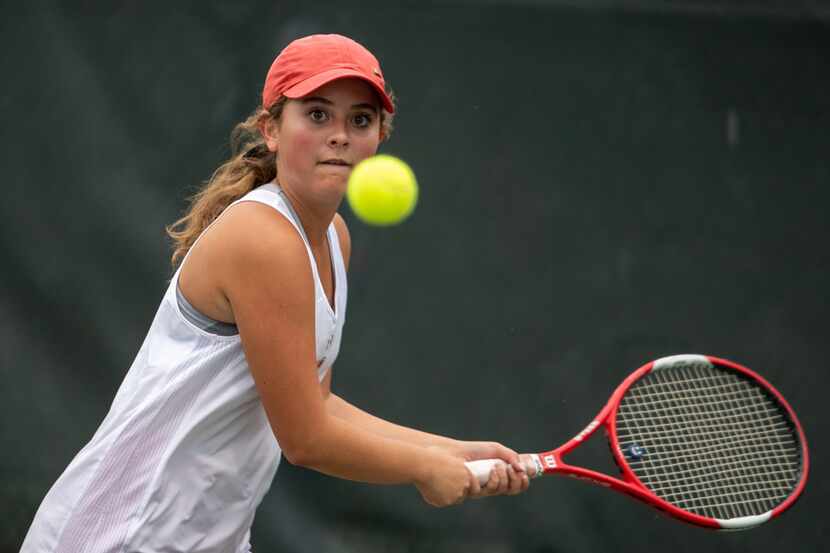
{"x": 553, "y": 463}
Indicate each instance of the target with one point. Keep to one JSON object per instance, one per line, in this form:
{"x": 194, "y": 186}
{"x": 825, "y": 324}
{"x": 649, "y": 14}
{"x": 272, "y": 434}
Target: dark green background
{"x": 602, "y": 183}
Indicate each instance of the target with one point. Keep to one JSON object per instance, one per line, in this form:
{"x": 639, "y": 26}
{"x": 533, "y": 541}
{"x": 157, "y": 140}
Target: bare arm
{"x": 466, "y": 450}
{"x": 342, "y": 409}
{"x": 502, "y": 481}
{"x": 266, "y": 276}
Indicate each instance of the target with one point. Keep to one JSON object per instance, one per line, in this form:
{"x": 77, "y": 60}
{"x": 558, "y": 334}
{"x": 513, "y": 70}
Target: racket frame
{"x": 552, "y": 462}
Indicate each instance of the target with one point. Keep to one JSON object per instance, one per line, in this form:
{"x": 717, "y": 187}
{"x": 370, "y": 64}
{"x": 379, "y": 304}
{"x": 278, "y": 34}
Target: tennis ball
{"x": 382, "y": 190}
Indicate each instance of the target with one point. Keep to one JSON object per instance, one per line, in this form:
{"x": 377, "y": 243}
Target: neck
{"x": 314, "y": 218}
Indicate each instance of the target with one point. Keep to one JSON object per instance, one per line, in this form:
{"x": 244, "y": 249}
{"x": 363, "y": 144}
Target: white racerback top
{"x": 186, "y": 453}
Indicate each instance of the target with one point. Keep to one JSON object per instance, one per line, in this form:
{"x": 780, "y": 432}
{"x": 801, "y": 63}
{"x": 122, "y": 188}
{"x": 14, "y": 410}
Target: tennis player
{"x": 236, "y": 368}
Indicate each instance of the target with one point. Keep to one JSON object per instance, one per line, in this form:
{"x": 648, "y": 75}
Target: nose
{"x": 339, "y": 137}
{"x": 338, "y": 140}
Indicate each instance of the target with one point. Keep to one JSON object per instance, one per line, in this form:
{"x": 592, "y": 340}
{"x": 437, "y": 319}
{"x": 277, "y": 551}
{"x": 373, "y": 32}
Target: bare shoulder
{"x": 264, "y": 271}
{"x": 250, "y": 241}
{"x": 254, "y": 226}
{"x": 250, "y": 252}
{"x": 344, "y": 237}
{"x": 256, "y": 244}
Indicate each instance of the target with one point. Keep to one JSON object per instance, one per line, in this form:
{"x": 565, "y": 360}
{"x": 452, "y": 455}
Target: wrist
{"x": 453, "y": 447}
{"x": 425, "y": 467}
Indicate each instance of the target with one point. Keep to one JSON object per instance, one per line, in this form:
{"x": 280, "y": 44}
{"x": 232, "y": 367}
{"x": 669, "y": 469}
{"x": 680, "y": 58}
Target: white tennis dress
{"x": 186, "y": 453}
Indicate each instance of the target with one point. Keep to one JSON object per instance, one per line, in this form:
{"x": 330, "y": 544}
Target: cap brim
{"x": 311, "y": 84}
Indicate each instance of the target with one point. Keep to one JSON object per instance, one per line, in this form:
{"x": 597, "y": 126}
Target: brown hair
{"x": 251, "y": 164}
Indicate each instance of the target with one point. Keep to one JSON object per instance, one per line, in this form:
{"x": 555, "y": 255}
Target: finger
{"x": 517, "y": 480}
{"x": 508, "y": 472}
{"x": 493, "y": 482}
{"x": 475, "y": 487}
{"x": 503, "y": 479}
{"x": 514, "y": 481}
{"x": 510, "y": 456}
{"x": 527, "y": 462}
{"x": 516, "y": 462}
{"x": 466, "y": 492}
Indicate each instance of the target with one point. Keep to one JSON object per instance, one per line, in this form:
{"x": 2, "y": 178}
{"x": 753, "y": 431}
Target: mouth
{"x": 337, "y": 162}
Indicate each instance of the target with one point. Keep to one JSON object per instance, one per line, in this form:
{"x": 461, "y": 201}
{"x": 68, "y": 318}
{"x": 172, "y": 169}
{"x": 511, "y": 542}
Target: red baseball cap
{"x": 308, "y": 63}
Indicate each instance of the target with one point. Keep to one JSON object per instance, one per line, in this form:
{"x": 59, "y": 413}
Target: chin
{"x": 331, "y": 188}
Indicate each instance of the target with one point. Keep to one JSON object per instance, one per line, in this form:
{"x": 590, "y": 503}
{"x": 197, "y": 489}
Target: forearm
{"x": 351, "y": 444}
{"x": 344, "y": 410}
{"x": 345, "y": 450}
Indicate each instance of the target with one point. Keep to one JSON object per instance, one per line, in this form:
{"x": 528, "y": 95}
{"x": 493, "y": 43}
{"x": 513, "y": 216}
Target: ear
{"x": 270, "y": 132}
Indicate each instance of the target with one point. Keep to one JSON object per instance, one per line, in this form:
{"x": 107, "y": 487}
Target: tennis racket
{"x": 703, "y": 439}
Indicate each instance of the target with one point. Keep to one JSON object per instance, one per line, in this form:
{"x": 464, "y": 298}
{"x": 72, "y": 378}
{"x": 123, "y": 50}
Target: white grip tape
{"x": 481, "y": 469}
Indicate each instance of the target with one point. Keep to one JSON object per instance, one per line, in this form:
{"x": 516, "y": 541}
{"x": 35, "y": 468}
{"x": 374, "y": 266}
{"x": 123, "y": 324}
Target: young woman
{"x": 236, "y": 368}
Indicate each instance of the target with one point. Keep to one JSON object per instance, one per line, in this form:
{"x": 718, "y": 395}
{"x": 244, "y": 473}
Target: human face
{"x": 322, "y": 136}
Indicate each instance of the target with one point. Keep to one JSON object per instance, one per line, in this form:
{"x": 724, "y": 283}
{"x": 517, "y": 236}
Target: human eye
{"x": 317, "y": 115}
{"x": 362, "y": 120}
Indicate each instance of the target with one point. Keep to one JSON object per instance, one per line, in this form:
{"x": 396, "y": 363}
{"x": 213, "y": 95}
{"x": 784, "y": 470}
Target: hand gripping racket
{"x": 703, "y": 439}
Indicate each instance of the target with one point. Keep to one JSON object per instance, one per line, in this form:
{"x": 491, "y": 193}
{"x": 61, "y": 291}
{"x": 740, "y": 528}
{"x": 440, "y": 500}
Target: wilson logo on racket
{"x": 702, "y": 439}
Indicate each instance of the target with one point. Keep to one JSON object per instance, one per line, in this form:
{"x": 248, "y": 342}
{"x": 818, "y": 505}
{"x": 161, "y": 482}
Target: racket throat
{"x": 548, "y": 462}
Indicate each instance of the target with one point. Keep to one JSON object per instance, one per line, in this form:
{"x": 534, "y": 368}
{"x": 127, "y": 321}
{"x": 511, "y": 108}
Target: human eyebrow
{"x": 326, "y": 101}
{"x": 371, "y": 107}
{"x": 317, "y": 99}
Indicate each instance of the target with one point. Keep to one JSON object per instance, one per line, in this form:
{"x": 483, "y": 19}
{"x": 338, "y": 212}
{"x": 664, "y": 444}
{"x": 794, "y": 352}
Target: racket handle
{"x": 481, "y": 468}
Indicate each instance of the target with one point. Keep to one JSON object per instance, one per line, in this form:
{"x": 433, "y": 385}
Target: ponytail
{"x": 251, "y": 165}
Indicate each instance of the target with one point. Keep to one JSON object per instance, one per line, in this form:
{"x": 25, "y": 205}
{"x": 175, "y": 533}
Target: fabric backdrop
{"x": 599, "y": 187}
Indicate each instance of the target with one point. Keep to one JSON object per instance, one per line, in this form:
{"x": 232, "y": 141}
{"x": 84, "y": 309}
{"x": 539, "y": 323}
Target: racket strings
{"x": 713, "y": 479}
{"x": 773, "y": 432}
{"x": 715, "y": 457}
{"x": 715, "y": 421}
{"x": 709, "y": 441}
{"x": 713, "y": 475}
{"x": 727, "y": 394}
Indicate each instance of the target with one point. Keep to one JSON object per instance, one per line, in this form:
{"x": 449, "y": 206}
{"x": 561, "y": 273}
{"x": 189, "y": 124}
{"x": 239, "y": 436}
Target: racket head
{"x": 710, "y": 441}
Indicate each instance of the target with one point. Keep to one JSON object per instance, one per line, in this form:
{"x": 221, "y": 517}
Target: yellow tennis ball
{"x": 382, "y": 190}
